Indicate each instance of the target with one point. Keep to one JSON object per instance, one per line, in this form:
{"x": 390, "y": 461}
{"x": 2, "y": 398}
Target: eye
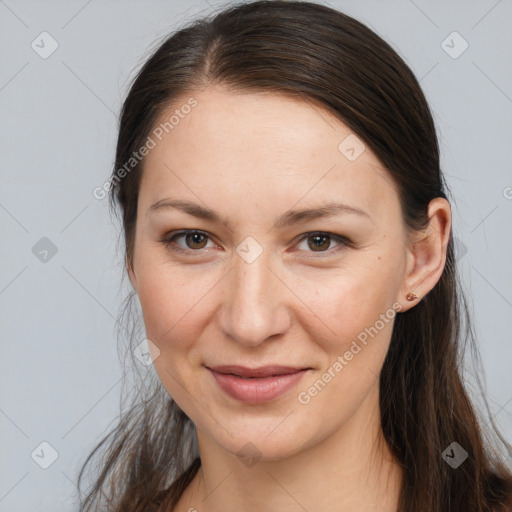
{"x": 194, "y": 241}
{"x": 317, "y": 242}
{"x": 320, "y": 242}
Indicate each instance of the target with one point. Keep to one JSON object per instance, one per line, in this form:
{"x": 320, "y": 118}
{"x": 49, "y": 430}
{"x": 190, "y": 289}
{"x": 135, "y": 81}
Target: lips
{"x": 256, "y": 385}
{"x": 252, "y": 373}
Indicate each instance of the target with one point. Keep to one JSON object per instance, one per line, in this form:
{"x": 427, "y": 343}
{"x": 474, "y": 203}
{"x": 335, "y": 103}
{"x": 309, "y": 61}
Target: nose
{"x": 255, "y": 306}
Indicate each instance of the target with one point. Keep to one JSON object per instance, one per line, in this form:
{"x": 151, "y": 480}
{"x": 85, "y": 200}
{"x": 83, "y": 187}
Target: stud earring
{"x": 411, "y": 296}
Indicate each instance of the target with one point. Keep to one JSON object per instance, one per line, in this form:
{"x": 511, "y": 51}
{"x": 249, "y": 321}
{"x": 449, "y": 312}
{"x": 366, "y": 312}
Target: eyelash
{"x": 168, "y": 240}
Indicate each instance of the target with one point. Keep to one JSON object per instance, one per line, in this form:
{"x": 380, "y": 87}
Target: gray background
{"x": 59, "y": 369}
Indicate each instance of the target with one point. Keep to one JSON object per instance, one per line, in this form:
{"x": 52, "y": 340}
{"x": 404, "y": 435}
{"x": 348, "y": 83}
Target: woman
{"x": 288, "y": 235}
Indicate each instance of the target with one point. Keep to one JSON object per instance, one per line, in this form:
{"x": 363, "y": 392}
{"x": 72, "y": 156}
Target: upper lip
{"x": 262, "y": 371}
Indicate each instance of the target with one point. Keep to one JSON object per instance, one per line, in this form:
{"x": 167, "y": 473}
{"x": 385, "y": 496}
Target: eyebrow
{"x": 288, "y": 218}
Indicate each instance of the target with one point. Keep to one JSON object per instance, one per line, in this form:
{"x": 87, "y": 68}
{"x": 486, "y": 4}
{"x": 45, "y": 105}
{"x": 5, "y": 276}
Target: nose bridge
{"x": 253, "y": 308}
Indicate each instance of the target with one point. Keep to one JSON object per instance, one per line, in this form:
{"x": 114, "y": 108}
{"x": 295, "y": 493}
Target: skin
{"x": 251, "y": 157}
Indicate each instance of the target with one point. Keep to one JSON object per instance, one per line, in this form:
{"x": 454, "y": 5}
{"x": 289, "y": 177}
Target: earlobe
{"x": 426, "y": 255}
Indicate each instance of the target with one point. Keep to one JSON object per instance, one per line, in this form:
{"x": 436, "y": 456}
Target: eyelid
{"x": 343, "y": 242}
{"x": 168, "y": 239}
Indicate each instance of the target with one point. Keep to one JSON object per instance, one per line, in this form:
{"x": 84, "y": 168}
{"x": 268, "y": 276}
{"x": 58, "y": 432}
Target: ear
{"x": 426, "y": 254}
{"x": 131, "y": 274}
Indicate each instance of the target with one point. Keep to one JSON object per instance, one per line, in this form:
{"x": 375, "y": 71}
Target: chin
{"x": 262, "y": 439}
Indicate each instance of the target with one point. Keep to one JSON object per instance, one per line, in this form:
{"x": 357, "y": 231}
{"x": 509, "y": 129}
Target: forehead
{"x": 261, "y": 147}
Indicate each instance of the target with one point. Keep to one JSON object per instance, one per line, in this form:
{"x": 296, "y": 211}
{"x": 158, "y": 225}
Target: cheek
{"x": 360, "y": 316}
{"x": 173, "y": 302}
{"x": 171, "y": 309}
{"x": 349, "y": 301}
{"x": 357, "y": 317}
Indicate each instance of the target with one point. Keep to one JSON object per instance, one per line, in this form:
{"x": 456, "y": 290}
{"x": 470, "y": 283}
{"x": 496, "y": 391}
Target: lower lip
{"x": 258, "y": 390}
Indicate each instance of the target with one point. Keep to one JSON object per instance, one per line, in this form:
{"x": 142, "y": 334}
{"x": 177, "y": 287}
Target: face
{"x": 260, "y": 281}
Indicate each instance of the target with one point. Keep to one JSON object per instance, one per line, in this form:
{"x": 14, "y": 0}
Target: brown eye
{"x": 195, "y": 240}
{"x": 320, "y": 242}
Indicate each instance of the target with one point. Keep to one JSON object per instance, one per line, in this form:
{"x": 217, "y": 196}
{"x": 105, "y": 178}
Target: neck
{"x": 352, "y": 469}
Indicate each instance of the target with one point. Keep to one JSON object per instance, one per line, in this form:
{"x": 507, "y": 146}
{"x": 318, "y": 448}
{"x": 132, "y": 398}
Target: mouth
{"x": 254, "y": 373}
{"x": 256, "y": 385}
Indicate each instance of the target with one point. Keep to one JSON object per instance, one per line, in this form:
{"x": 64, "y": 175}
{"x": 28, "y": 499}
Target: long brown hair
{"x": 315, "y": 53}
